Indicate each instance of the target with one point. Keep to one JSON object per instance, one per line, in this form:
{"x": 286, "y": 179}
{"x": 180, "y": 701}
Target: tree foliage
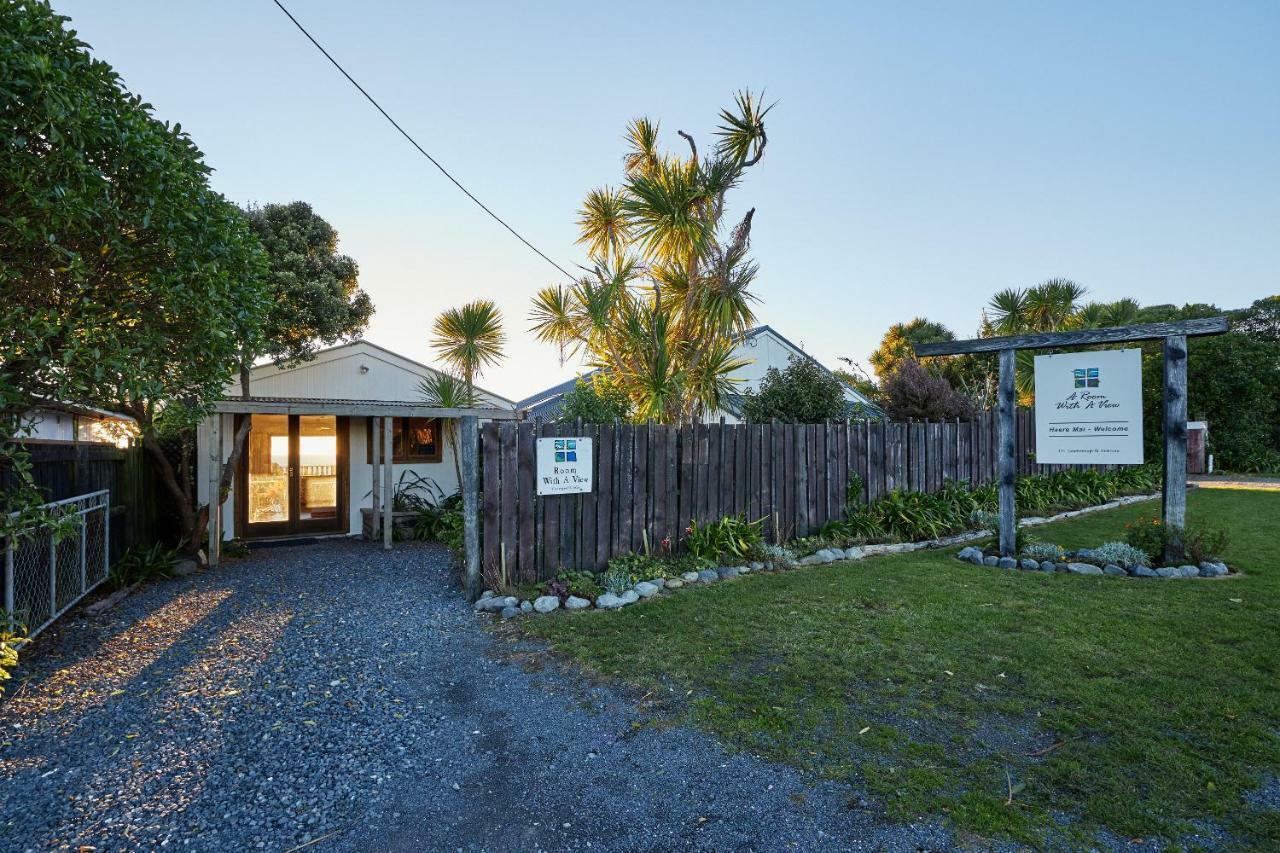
{"x": 595, "y": 400}
{"x": 912, "y": 392}
{"x": 126, "y": 281}
{"x": 669, "y": 292}
{"x": 898, "y": 342}
{"x": 315, "y": 298}
{"x": 470, "y": 338}
{"x": 803, "y": 393}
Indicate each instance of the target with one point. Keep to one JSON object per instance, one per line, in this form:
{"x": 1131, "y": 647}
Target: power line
{"x": 414, "y": 142}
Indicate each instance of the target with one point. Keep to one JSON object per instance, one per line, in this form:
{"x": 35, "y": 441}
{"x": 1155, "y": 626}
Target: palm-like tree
{"x": 470, "y": 338}
{"x": 669, "y": 288}
{"x": 448, "y": 391}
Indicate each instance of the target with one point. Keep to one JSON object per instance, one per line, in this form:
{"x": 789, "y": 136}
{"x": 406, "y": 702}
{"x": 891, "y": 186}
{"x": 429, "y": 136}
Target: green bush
{"x": 1121, "y": 554}
{"x": 1200, "y": 542}
{"x": 1148, "y": 536}
{"x": 732, "y": 536}
{"x": 1045, "y": 551}
{"x": 141, "y": 564}
{"x": 582, "y": 583}
{"x": 1203, "y": 542}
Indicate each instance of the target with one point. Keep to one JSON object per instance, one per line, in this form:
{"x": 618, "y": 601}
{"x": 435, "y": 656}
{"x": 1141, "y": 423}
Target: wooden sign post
{"x": 1174, "y": 508}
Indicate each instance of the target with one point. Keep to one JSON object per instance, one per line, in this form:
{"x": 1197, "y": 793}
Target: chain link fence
{"x": 47, "y": 570}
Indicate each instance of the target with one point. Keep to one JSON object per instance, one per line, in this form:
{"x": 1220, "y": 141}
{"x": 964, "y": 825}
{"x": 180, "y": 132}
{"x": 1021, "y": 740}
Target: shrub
{"x": 731, "y": 536}
{"x": 13, "y": 636}
{"x": 580, "y": 582}
{"x": 778, "y": 555}
{"x": 857, "y": 526}
{"x": 1203, "y": 542}
{"x": 1042, "y": 551}
{"x": 139, "y": 564}
{"x": 853, "y": 489}
{"x": 913, "y": 392}
{"x": 616, "y": 578}
{"x": 804, "y": 393}
{"x": 1121, "y": 554}
{"x": 1148, "y": 536}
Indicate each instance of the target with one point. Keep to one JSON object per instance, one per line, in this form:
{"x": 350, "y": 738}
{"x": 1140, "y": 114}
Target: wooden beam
{"x": 375, "y": 489}
{"x": 1081, "y": 337}
{"x": 1174, "y": 509}
{"x": 471, "y": 505}
{"x": 349, "y": 408}
{"x": 388, "y": 503}
{"x": 1008, "y": 490}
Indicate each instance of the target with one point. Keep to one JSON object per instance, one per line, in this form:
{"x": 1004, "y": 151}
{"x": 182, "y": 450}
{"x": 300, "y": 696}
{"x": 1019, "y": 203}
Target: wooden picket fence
{"x": 652, "y": 480}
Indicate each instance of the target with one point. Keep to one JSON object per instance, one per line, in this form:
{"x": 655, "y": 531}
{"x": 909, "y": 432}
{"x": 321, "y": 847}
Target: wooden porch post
{"x": 375, "y": 487}
{"x": 388, "y": 457}
{"x": 215, "y": 479}
{"x": 1006, "y": 402}
{"x": 1174, "y": 508}
{"x": 471, "y": 503}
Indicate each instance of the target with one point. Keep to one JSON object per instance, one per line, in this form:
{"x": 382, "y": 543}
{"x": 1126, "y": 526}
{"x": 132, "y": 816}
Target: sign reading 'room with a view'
{"x": 564, "y": 465}
{"x": 1089, "y": 407}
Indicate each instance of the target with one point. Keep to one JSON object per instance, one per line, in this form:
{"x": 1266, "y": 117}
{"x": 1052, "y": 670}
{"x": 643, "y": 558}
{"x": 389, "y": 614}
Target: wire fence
{"x": 47, "y": 570}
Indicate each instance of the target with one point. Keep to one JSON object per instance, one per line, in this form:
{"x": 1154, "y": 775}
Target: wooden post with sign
{"x": 1174, "y": 336}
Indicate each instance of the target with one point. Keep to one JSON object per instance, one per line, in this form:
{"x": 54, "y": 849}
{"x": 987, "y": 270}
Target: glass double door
{"x": 293, "y": 475}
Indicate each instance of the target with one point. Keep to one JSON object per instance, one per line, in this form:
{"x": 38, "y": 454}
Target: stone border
{"x": 509, "y": 606}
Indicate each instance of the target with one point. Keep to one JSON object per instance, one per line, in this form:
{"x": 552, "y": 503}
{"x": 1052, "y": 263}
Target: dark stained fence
{"x": 63, "y": 470}
{"x": 651, "y": 481}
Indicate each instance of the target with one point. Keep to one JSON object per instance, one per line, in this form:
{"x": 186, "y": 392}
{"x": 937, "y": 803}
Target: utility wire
{"x": 414, "y": 142}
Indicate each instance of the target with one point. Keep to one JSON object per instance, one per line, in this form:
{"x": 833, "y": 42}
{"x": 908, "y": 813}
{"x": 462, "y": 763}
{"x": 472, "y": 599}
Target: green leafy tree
{"x": 803, "y": 393}
{"x": 470, "y": 338}
{"x": 668, "y": 294}
{"x": 1261, "y": 319}
{"x": 898, "y": 342}
{"x": 125, "y": 280}
{"x": 595, "y": 401}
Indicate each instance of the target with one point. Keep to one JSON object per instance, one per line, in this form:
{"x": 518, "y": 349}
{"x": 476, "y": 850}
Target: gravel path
{"x": 336, "y": 694}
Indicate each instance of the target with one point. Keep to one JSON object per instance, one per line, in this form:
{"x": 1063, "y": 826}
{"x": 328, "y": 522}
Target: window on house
{"x": 412, "y": 440}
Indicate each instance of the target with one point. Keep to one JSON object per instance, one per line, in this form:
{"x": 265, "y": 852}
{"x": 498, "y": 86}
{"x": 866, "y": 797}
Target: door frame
{"x": 296, "y": 526}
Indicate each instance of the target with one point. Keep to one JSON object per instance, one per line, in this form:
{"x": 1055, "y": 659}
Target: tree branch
{"x": 692, "y": 145}
{"x": 764, "y": 140}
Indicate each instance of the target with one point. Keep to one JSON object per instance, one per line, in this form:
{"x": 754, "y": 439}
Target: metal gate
{"x": 45, "y": 574}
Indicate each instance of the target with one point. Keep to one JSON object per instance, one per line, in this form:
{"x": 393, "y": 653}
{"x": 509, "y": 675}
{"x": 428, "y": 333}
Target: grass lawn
{"x": 1001, "y": 700}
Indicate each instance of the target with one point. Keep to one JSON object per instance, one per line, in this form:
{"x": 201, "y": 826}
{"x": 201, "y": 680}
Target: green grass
{"x": 933, "y": 683}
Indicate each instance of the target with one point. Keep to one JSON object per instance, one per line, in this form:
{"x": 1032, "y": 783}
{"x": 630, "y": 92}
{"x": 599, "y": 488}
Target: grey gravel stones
{"x": 573, "y": 602}
{"x": 644, "y": 589}
{"x": 546, "y": 603}
{"x": 1083, "y": 569}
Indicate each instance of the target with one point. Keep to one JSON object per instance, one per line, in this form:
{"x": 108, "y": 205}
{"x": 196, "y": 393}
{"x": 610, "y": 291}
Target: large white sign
{"x": 564, "y": 465}
{"x": 1089, "y": 407}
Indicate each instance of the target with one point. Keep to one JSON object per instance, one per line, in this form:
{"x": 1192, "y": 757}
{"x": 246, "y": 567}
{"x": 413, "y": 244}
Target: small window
{"x": 412, "y": 440}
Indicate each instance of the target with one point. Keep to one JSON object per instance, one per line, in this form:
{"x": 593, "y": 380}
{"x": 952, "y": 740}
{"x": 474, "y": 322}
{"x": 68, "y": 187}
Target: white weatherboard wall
{"x": 355, "y": 371}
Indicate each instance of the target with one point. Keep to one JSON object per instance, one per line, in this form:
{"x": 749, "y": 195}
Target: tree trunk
{"x": 186, "y": 515}
{"x": 201, "y": 519}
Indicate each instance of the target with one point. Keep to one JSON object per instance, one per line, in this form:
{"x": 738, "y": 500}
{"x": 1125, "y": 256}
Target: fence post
{"x": 53, "y": 573}
{"x": 388, "y": 500}
{"x": 471, "y": 504}
{"x": 8, "y": 574}
{"x": 84, "y": 570}
{"x": 374, "y": 425}
{"x": 1007, "y": 451}
{"x": 1175, "y": 444}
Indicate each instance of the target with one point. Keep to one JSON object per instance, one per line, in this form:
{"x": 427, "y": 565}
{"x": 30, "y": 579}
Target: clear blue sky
{"x": 921, "y": 157}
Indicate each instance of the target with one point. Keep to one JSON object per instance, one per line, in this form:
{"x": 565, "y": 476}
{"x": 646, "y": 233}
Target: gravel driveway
{"x": 335, "y": 694}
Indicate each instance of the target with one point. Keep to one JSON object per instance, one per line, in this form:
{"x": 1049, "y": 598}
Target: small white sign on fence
{"x": 564, "y": 465}
{"x": 1089, "y": 407}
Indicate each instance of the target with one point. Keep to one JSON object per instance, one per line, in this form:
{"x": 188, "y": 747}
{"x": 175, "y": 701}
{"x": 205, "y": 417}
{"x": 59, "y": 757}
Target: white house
{"x": 762, "y": 347}
{"x": 308, "y": 465}
{"x": 67, "y": 422}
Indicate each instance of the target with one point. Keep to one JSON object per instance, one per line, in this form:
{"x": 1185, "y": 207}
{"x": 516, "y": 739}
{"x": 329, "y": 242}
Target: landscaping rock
{"x": 674, "y": 583}
{"x": 1083, "y": 569}
{"x": 182, "y": 568}
{"x": 1047, "y": 566}
{"x": 546, "y": 603}
{"x": 1169, "y": 572}
{"x": 831, "y": 555}
{"x": 1007, "y": 563}
{"x": 689, "y": 577}
{"x": 1029, "y": 564}
{"x": 1189, "y": 571}
{"x": 1212, "y": 570}
{"x": 755, "y": 567}
{"x": 708, "y": 576}
{"x": 494, "y": 603}
{"x": 1144, "y": 572}
{"x": 967, "y": 553}
{"x": 488, "y": 593}
{"x": 727, "y": 572}
{"x": 575, "y": 603}
{"x": 977, "y": 558}
{"x": 990, "y": 561}
{"x": 1061, "y": 567}
{"x": 1084, "y": 553}
{"x": 526, "y": 607}
{"x": 853, "y": 553}
{"x": 630, "y": 597}
{"x": 644, "y": 589}
{"x": 609, "y": 601}
{"x": 1114, "y": 570}
{"x": 811, "y": 560}
{"x": 509, "y": 612}
{"x": 744, "y": 570}
{"x": 658, "y": 582}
